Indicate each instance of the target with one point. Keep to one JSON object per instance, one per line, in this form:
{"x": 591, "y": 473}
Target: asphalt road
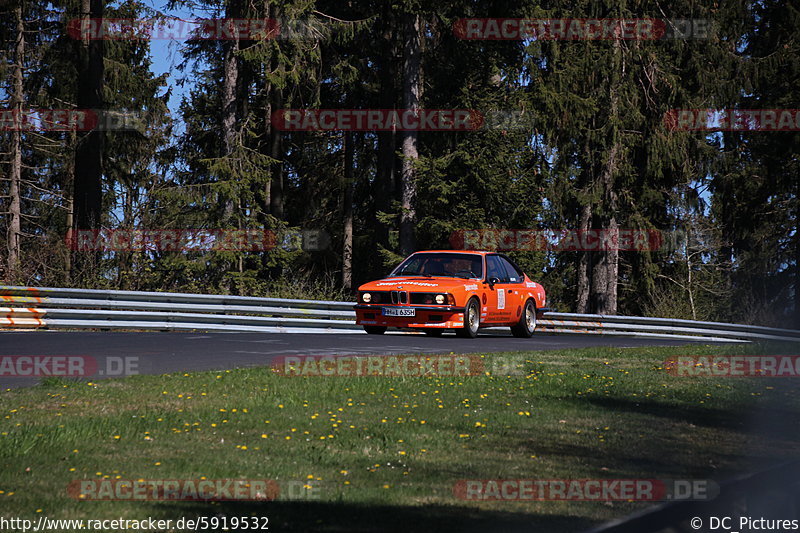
{"x": 161, "y": 352}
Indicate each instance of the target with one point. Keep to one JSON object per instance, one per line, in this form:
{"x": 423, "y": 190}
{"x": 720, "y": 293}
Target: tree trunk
{"x": 268, "y": 127}
{"x": 15, "y": 205}
{"x": 230, "y": 89}
{"x": 599, "y": 282}
{"x": 125, "y": 258}
{"x": 276, "y": 202}
{"x": 612, "y": 272}
{"x": 412, "y": 88}
{"x": 584, "y": 265}
{"x": 347, "y": 213}
{"x": 386, "y": 177}
{"x": 797, "y": 254}
{"x": 276, "y": 153}
{"x": 88, "y": 192}
{"x": 69, "y": 194}
{"x": 606, "y": 269}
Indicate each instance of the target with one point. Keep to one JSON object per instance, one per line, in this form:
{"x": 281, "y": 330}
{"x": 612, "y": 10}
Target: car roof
{"x": 473, "y": 252}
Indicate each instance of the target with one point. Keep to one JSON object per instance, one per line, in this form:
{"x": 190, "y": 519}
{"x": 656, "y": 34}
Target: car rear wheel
{"x": 527, "y": 321}
{"x": 472, "y": 320}
{"x": 375, "y": 330}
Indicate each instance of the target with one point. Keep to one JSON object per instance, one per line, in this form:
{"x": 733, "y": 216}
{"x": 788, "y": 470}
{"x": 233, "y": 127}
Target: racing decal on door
{"x": 501, "y": 298}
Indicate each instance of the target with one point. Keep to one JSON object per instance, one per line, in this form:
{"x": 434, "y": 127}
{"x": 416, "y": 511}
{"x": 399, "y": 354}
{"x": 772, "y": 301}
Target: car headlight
{"x": 440, "y": 299}
{"x": 366, "y": 297}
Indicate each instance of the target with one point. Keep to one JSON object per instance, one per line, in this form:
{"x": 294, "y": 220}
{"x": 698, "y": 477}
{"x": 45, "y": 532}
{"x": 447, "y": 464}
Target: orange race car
{"x": 436, "y": 290}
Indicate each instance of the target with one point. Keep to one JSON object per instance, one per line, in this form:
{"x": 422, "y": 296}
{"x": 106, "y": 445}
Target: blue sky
{"x": 166, "y": 55}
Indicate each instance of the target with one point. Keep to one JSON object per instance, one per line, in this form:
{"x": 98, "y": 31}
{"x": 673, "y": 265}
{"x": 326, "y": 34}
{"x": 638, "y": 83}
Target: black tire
{"x": 434, "y": 332}
{"x": 527, "y": 322}
{"x": 375, "y": 330}
{"x": 472, "y": 320}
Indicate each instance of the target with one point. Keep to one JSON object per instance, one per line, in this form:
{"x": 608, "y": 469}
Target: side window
{"x": 495, "y": 269}
{"x": 513, "y": 276}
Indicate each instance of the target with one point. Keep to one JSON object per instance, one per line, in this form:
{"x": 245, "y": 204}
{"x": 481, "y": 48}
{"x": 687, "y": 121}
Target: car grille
{"x": 399, "y": 297}
{"x": 389, "y": 297}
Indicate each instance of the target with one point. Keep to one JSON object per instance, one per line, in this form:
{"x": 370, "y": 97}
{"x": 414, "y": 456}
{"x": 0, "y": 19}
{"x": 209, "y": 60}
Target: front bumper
{"x": 441, "y": 317}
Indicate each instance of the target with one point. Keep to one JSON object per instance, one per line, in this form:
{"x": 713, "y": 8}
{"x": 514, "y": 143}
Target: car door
{"x": 514, "y": 288}
{"x": 497, "y": 309}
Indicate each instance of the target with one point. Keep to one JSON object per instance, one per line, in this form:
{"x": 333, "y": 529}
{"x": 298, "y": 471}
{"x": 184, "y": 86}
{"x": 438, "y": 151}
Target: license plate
{"x": 398, "y": 311}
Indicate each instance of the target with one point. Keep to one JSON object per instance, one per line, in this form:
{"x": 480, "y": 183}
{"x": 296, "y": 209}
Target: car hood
{"x": 417, "y": 284}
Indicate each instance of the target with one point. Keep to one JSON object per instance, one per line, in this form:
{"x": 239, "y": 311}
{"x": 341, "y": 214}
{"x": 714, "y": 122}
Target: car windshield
{"x": 465, "y": 266}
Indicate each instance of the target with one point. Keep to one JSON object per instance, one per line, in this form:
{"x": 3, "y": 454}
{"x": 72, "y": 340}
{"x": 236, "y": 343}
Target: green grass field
{"x": 381, "y": 453}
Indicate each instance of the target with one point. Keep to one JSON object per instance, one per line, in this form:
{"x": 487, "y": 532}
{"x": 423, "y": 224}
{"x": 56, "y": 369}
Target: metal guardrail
{"x": 59, "y": 308}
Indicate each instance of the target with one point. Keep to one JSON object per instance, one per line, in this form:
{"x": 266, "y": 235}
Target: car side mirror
{"x": 492, "y": 281}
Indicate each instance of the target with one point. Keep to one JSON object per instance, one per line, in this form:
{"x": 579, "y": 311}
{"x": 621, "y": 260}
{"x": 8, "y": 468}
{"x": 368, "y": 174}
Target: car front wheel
{"x": 472, "y": 320}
